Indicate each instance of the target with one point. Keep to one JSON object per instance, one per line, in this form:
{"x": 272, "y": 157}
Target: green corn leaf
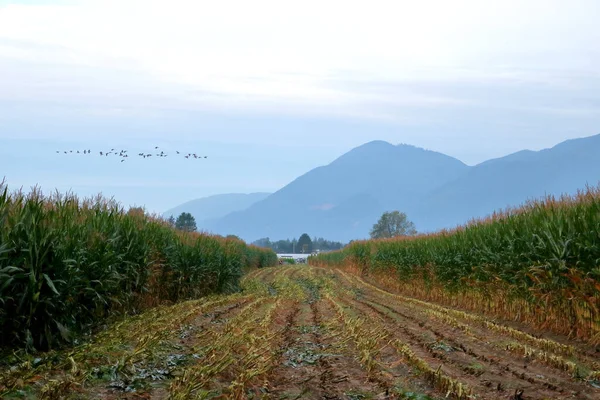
{"x": 51, "y": 284}
{"x": 6, "y": 284}
{"x": 9, "y": 269}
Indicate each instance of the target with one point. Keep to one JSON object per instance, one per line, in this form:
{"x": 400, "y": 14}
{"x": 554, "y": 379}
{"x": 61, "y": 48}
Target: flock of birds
{"x": 124, "y": 154}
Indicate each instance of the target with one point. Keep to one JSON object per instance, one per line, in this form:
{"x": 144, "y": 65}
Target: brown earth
{"x": 300, "y": 332}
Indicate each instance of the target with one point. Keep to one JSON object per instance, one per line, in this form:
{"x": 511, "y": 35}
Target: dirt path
{"x": 298, "y": 332}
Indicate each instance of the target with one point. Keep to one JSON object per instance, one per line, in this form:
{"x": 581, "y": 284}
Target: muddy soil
{"x": 299, "y": 332}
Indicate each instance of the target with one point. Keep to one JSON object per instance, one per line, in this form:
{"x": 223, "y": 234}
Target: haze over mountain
{"x": 217, "y": 206}
{"x": 266, "y": 99}
{"x": 342, "y": 200}
{"x": 510, "y": 181}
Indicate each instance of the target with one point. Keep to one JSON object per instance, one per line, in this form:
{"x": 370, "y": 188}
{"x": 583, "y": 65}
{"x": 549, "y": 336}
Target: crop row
{"x": 116, "y": 352}
{"x": 368, "y": 342}
{"x": 538, "y": 263}
{"x": 220, "y": 351}
{"x": 469, "y": 351}
{"x": 546, "y": 344}
{"x": 67, "y": 265}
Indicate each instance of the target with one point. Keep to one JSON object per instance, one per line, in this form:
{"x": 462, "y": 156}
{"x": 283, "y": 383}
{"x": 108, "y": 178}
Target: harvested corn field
{"x": 301, "y": 332}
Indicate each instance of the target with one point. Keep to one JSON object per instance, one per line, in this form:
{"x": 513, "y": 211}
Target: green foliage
{"x": 326, "y": 245}
{"x": 288, "y": 246}
{"x": 392, "y": 224}
{"x": 186, "y": 222}
{"x": 304, "y": 245}
{"x": 547, "y": 253}
{"x": 67, "y": 265}
{"x": 171, "y": 221}
{"x": 549, "y": 238}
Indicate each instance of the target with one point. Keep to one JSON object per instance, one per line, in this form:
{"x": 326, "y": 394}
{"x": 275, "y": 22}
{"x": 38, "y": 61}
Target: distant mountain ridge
{"x": 510, "y": 181}
{"x": 342, "y": 200}
{"x": 210, "y": 208}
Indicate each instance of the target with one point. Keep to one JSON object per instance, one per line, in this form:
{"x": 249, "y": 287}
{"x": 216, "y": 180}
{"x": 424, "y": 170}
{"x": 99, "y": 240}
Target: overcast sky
{"x": 269, "y": 89}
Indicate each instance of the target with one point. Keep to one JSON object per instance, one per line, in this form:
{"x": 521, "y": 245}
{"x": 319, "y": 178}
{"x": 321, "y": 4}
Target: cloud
{"x": 270, "y": 55}
{"x": 433, "y": 73}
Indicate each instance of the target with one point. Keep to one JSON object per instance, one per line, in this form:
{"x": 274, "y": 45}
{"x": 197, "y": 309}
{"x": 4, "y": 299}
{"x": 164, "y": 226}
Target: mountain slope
{"x": 510, "y": 181}
{"x": 340, "y": 201}
{"x": 213, "y": 207}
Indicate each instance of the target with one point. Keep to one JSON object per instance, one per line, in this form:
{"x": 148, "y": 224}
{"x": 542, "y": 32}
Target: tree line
{"x": 184, "y": 222}
{"x": 390, "y": 224}
{"x": 303, "y": 245}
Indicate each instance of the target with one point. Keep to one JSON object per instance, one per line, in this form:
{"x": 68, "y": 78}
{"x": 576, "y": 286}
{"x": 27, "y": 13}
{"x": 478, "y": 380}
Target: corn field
{"x": 66, "y": 265}
{"x": 539, "y": 264}
{"x": 305, "y": 332}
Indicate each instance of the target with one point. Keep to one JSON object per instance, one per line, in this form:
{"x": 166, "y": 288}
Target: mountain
{"x": 342, "y": 200}
{"x": 510, "y": 181}
{"x": 213, "y": 207}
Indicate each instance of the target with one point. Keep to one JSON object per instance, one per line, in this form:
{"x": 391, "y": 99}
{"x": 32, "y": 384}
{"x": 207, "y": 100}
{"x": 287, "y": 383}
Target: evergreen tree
{"x": 304, "y": 245}
{"x": 186, "y": 222}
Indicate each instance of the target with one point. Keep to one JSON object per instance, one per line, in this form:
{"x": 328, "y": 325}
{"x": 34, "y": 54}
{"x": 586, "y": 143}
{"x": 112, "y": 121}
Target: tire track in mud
{"x": 488, "y": 350}
{"x": 537, "y": 380}
{"x": 292, "y": 379}
{"x": 387, "y": 367}
{"x": 183, "y": 343}
{"x": 569, "y": 346}
{"x": 341, "y": 375}
{"x": 253, "y": 378}
{"x": 326, "y": 375}
{"x": 397, "y": 331}
{"x": 315, "y": 363}
{"x": 486, "y": 376}
{"x": 560, "y": 354}
{"x": 288, "y": 339}
{"x": 230, "y": 354}
{"x": 556, "y": 346}
{"x": 209, "y": 318}
{"x": 261, "y": 273}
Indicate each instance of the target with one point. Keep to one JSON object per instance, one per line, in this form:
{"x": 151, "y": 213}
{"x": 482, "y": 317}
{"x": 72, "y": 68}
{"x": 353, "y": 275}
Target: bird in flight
{"x": 123, "y": 154}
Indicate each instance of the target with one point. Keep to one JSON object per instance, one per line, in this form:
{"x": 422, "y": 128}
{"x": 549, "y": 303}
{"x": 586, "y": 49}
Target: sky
{"x": 269, "y": 89}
